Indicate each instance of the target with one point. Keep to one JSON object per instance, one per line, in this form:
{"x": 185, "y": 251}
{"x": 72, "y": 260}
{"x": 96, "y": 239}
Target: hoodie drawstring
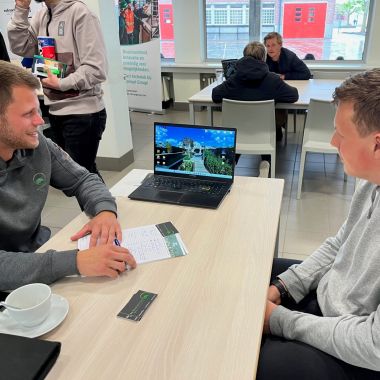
{"x": 48, "y": 22}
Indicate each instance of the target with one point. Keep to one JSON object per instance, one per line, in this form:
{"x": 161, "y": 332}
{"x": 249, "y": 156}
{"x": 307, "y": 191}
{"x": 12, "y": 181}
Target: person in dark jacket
{"x": 3, "y": 50}
{"x": 283, "y": 61}
{"x": 253, "y": 81}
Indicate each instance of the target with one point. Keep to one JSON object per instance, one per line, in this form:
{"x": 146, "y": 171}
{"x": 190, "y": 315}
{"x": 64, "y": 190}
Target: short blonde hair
{"x": 256, "y": 50}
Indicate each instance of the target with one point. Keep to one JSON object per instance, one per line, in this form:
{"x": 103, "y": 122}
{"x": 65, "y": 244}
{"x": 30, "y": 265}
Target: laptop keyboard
{"x": 182, "y": 184}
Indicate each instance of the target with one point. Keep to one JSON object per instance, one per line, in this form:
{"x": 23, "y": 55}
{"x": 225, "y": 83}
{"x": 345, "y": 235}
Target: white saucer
{"x": 58, "y": 312}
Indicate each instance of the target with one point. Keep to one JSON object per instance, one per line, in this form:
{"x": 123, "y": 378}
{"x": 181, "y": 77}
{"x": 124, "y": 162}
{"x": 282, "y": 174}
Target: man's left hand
{"x": 51, "y": 81}
{"x": 268, "y": 311}
{"x": 103, "y": 226}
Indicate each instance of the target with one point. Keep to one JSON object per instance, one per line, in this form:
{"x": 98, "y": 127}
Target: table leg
{"x": 210, "y": 116}
{"x": 192, "y": 113}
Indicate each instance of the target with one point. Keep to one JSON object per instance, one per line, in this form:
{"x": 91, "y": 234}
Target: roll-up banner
{"x": 139, "y": 36}
{"x": 7, "y": 8}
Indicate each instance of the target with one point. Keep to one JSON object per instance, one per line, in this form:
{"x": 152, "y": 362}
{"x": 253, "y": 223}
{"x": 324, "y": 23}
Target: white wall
{"x": 117, "y": 138}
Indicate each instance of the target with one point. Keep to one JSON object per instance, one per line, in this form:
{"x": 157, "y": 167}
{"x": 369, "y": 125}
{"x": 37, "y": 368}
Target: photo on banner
{"x": 139, "y": 36}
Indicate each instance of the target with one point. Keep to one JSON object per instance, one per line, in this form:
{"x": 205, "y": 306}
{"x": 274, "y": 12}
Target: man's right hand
{"x": 23, "y": 3}
{"x": 104, "y": 260}
{"x": 274, "y": 295}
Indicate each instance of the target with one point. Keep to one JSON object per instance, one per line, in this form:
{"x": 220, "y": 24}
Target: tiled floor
{"x": 304, "y": 223}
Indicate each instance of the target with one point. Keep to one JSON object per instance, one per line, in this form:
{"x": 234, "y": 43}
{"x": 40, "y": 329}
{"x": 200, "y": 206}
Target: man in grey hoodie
{"x": 76, "y": 107}
{"x": 29, "y": 163}
{"x": 324, "y": 314}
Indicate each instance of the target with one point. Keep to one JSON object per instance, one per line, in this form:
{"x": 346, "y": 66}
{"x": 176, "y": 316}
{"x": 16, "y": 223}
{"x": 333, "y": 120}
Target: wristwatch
{"x": 281, "y": 288}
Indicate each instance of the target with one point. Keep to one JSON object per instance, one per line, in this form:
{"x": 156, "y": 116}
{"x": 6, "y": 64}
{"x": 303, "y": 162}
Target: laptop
{"x": 193, "y": 165}
{"x": 229, "y": 67}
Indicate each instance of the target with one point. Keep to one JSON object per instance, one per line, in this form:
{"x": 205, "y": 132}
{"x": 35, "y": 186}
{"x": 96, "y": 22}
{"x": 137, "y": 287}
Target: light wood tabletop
{"x": 206, "y": 322}
{"x": 307, "y": 89}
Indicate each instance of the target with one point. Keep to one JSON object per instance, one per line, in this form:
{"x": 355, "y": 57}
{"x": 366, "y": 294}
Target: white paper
{"x": 145, "y": 243}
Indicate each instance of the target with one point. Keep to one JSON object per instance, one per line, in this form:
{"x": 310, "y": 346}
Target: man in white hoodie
{"x": 77, "y": 113}
{"x": 323, "y": 315}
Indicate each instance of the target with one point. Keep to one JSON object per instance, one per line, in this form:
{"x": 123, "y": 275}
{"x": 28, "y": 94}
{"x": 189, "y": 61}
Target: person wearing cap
{"x": 77, "y": 113}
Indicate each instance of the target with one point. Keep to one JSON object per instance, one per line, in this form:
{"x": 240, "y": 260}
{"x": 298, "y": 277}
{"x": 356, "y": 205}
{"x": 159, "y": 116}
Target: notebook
{"x": 229, "y": 67}
{"x": 193, "y": 165}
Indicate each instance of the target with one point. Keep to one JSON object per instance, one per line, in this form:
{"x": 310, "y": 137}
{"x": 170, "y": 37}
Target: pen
{"x": 116, "y": 241}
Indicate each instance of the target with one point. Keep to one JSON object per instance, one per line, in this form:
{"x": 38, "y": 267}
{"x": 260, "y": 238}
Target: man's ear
{"x": 377, "y": 146}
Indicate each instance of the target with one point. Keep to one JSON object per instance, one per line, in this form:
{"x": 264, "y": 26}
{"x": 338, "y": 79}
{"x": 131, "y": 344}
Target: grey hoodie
{"x": 24, "y": 185}
{"x": 79, "y": 43}
{"x": 345, "y": 270}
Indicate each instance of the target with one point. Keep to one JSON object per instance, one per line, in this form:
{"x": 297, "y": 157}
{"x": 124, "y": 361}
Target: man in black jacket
{"x": 3, "y": 49}
{"x": 283, "y": 61}
{"x": 252, "y": 81}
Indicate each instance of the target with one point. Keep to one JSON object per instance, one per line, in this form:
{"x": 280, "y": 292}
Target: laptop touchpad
{"x": 168, "y": 196}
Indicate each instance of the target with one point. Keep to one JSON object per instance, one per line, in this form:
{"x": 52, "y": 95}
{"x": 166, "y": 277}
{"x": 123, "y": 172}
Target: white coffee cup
{"x": 33, "y": 300}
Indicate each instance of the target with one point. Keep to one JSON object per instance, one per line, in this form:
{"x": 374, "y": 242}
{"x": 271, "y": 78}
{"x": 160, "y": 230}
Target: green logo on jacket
{"x": 39, "y": 179}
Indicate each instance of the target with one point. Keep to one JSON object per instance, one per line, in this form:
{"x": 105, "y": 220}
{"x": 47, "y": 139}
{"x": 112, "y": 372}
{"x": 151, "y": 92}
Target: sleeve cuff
{"x": 277, "y": 318}
{"x": 64, "y": 263}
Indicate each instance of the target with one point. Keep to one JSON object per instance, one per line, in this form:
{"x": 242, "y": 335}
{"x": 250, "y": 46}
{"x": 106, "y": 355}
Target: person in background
{"x": 309, "y": 57}
{"x": 283, "y": 61}
{"x": 3, "y": 50}
{"x": 129, "y": 23}
{"x": 323, "y": 315}
{"x": 253, "y": 81}
{"x": 77, "y": 113}
{"x": 139, "y": 16}
{"x": 29, "y": 163}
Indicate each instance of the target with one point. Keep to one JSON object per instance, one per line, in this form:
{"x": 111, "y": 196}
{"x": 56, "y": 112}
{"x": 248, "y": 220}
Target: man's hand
{"x": 282, "y": 76}
{"x": 274, "y": 295}
{"x": 51, "y": 81}
{"x": 103, "y": 226}
{"x": 268, "y": 311}
{"x": 104, "y": 260}
{"x": 23, "y": 3}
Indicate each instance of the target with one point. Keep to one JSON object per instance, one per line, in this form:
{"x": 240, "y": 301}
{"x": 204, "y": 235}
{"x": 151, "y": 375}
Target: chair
{"x": 318, "y": 131}
{"x": 256, "y": 126}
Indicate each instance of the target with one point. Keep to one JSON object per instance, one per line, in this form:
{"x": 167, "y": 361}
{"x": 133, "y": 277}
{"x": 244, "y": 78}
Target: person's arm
{"x": 92, "y": 53}
{"x": 351, "y": 338}
{"x": 297, "y": 69}
{"x": 219, "y": 92}
{"x": 21, "y": 268}
{"x": 285, "y": 93}
{"x": 301, "y": 279}
{"x": 22, "y": 34}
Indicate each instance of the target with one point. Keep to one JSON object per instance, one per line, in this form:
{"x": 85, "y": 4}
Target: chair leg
{"x": 273, "y": 165}
{"x": 300, "y": 178}
{"x": 286, "y": 133}
{"x": 294, "y": 121}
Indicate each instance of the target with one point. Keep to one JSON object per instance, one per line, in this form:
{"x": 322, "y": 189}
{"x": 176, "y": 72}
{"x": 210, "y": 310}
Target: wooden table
{"x": 307, "y": 89}
{"x": 206, "y": 322}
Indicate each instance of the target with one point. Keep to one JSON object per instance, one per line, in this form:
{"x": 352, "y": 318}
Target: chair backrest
{"x": 254, "y": 121}
{"x": 331, "y": 74}
{"x": 320, "y": 121}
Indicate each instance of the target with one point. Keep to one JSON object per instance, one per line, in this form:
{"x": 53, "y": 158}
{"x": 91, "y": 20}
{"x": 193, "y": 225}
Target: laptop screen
{"x": 195, "y": 151}
{"x": 229, "y": 67}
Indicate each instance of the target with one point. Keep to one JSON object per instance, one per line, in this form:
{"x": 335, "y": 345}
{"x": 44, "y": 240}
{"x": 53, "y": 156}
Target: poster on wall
{"x": 139, "y": 36}
{"x": 6, "y": 11}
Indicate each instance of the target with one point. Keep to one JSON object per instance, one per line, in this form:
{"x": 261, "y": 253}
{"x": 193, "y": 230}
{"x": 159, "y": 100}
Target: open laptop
{"x": 193, "y": 165}
{"x": 229, "y": 67}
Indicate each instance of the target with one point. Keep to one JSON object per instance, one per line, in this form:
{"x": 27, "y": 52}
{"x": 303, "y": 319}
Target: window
{"x": 220, "y": 16}
{"x": 326, "y": 29}
{"x": 236, "y": 16}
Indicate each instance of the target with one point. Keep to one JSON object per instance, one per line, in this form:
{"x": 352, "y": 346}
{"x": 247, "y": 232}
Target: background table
{"x": 307, "y": 89}
{"x": 206, "y": 322}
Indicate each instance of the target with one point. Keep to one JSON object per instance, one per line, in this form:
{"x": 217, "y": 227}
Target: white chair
{"x": 318, "y": 131}
{"x": 256, "y": 127}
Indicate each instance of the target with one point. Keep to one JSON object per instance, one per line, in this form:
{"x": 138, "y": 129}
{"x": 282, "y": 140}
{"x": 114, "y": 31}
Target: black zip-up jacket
{"x": 289, "y": 65}
{"x": 253, "y": 82}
